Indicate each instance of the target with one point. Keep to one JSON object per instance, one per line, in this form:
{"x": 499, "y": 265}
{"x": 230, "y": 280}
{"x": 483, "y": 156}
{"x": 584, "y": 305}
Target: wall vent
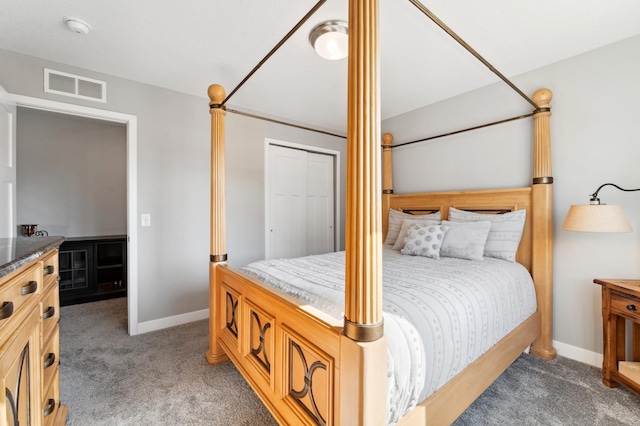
{"x": 62, "y": 83}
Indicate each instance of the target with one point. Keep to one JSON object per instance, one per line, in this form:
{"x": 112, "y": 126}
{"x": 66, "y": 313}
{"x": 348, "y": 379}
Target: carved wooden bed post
{"x": 218, "y": 249}
{"x": 542, "y": 221}
{"x": 387, "y": 180}
{"x": 363, "y": 344}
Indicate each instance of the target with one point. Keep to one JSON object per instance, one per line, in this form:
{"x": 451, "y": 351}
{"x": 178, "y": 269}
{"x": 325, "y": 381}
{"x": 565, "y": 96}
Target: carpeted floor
{"x": 158, "y": 378}
{"x": 162, "y": 378}
{"x": 560, "y": 392}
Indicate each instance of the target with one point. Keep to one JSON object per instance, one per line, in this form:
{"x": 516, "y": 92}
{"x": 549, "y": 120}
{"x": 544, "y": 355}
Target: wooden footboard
{"x": 289, "y": 353}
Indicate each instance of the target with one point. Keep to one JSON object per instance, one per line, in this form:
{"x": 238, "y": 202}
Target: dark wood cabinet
{"x": 93, "y": 268}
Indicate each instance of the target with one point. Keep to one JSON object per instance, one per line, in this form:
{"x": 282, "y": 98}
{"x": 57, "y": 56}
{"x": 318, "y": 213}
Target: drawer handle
{"x": 51, "y": 405}
{"x": 29, "y": 288}
{"x": 632, "y": 308}
{"x": 50, "y": 360}
{"x": 51, "y": 311}
{"x": 6, "y": 311}
{"x": 48, "y": 270}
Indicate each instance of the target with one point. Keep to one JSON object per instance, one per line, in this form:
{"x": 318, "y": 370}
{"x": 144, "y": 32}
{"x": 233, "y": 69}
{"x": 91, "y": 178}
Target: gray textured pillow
{"x": 465, "y": 240}
{"x": 505, "y": 233}
{"x": 425, "y": 240}
{"x": 406, "y": 225}
{"x": 395, "y": 222}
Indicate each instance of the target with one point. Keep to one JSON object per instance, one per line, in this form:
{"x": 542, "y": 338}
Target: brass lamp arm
{"x": 594, "y": 197}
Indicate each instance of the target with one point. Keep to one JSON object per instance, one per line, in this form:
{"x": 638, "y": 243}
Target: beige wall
{"x": 173, "y": 180}
{"x": 594, "y": 135}
{"x": 72, "y": 176}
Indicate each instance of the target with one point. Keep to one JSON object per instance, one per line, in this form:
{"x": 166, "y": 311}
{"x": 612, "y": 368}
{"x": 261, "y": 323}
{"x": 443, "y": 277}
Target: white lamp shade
{"x": 596, "y": 218}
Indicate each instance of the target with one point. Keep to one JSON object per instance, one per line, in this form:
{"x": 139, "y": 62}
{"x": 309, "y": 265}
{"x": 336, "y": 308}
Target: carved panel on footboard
{"x": 309, "y": 379}
{"x": 231, "y": 318}
{"x": 259, "y": 341}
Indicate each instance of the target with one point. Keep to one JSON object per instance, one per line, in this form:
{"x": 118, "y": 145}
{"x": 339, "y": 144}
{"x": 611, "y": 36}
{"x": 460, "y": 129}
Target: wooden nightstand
{"x": 620, "y": 301}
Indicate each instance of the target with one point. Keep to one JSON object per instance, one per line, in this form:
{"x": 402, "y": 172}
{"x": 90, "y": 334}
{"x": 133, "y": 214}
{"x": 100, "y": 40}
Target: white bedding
{"x": 439, "y": 315}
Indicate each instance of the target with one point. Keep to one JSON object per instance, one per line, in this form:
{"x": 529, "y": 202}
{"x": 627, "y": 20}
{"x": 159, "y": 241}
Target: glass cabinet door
{"x": 75, "y": 268}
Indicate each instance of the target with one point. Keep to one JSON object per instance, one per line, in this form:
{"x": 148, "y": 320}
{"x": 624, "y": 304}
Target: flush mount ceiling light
{"x": 330, "y": 39}
{"x": 76, "y": 25}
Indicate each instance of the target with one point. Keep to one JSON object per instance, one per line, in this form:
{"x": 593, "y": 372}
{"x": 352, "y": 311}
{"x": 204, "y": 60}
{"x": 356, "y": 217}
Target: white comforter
{"x": 439, "y": 315}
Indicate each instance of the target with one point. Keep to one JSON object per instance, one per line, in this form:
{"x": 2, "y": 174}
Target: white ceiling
{"x": 188, "y": 45}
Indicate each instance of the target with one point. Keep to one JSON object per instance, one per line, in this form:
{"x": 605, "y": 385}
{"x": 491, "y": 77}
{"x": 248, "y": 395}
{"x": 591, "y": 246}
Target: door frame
{"x": 336, "y": 186}
{"x": 12, "y": 207}
{"x": 131, "y": 123}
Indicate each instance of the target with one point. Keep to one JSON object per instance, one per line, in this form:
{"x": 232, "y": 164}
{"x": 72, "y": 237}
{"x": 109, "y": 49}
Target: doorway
{"x": 130, "y": 121}
{"x": 301, "y": 199}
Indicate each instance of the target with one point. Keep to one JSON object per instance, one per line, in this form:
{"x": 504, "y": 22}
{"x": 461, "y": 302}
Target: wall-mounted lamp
{"x": 330, "y": 39}
{"x": 596, "y": 217}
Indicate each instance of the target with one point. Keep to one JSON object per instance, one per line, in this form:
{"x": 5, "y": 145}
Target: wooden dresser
{"x": 29, "y": 335}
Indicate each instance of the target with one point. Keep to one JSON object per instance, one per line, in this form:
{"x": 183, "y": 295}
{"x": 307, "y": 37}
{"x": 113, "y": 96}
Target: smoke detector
{"x": 76, "y": 25}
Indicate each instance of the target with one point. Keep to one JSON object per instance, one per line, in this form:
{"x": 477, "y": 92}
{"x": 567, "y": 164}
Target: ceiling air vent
{"x": 61, "y": 83}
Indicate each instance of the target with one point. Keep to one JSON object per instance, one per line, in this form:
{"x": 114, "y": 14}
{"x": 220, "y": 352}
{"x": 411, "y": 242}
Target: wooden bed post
{"x": 363, "y": 344}
{"x": 218, "y": 249}
{"x": 387, "y": 180}
{"x": 542, "y": 222}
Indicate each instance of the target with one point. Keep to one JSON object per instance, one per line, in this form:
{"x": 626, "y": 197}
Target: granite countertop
{"x": 16, "y": 252}
{"x": 97, "y": 238}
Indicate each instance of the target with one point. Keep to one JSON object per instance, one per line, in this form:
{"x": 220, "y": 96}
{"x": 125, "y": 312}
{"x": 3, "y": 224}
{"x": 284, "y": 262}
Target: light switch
{"x": 145, "y": 219}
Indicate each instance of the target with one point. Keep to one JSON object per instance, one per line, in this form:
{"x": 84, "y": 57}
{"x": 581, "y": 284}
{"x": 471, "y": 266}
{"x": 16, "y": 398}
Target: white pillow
{"x": 425, "y": 240}
{"x": 505, "y": 234}
{"x": 465, "y": 240}
{"x": 406, "y": 225}
{"x": 395, "y": 222}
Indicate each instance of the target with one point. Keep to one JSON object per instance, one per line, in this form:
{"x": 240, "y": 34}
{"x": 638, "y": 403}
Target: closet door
{"x": 287, "y": 202}
{"x": 320, "y": 202}
{"x": 301, "y": 203}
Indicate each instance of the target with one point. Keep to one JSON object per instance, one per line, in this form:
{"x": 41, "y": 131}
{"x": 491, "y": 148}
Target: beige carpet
{"x": 161, "y": 378}
{"x": 158, "y": 378}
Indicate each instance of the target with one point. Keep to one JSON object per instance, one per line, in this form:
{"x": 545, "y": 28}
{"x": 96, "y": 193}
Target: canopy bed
{"x": 314, "y": 362}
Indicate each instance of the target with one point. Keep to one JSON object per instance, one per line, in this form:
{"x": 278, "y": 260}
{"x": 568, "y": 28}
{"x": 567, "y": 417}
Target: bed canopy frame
{"x": 305, "y": 366}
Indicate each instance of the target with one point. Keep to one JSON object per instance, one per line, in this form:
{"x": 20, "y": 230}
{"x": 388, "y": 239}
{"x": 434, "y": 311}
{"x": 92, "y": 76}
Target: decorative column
{"x": 387, "y": 180}
{"x": 218, "y": 229}
{"x": 542, "y": 223}
{"x": 363, "y": 347}
{"x": 363, "y": 274}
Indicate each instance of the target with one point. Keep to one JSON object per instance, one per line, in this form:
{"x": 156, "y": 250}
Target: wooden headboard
{"x": 480, "y": 201}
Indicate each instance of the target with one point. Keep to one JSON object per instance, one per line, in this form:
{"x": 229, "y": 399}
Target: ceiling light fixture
{"x": 76, "y": 25}
{"x": 330, "y": 39}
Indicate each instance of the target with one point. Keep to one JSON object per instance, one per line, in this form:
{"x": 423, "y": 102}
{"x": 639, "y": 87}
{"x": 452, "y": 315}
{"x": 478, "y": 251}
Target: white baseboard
{"x": 568, "y": 351}
{"x": 159, "y": 324}
{"x": 578, "y": 354}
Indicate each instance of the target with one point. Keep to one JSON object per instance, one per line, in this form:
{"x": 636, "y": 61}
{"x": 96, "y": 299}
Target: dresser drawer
{"x": 51, "y": 400}
{"x": 18, "y": 291}
{"x": 50, "y": 268}
{"x": 51, "y": 359}
{"x": 50, "y": 312}
{"x": 625, "y": 305}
